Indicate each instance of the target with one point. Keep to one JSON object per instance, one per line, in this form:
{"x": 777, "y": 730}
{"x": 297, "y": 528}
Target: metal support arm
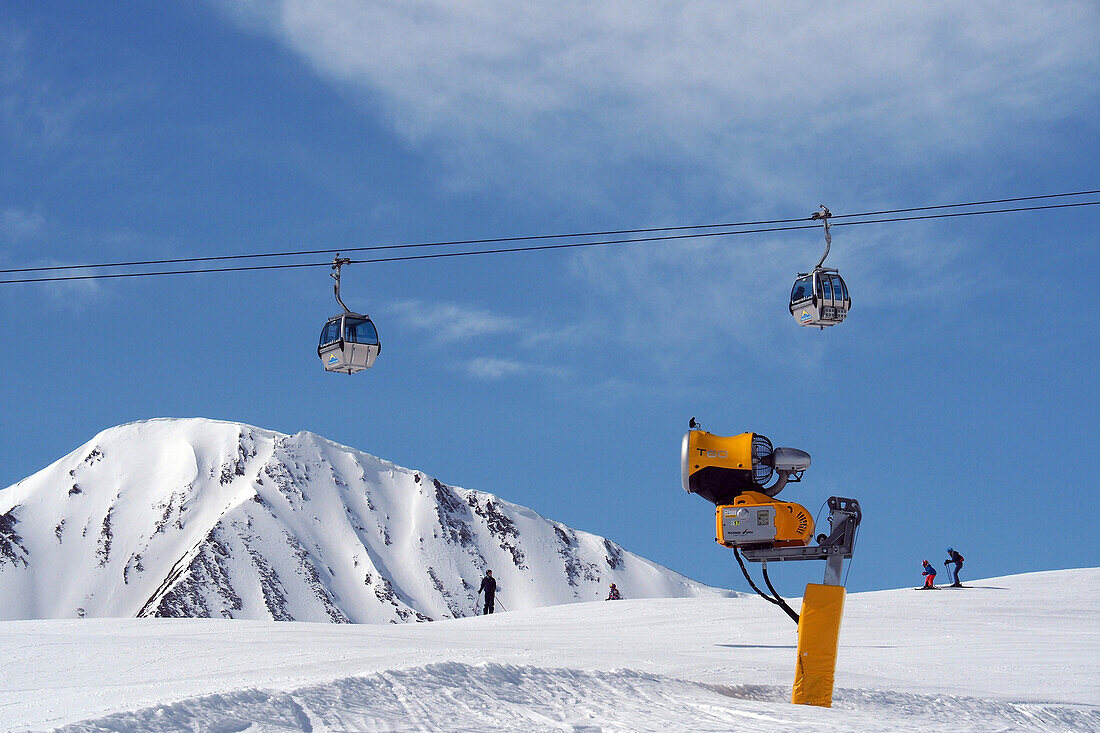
{"x": 844, "y": 519}
{"x": 824, "y": 215}
{"x": 337, "y": 263}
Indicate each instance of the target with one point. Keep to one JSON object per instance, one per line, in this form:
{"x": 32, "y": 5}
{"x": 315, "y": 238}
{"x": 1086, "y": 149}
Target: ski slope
{"x": 1012, "y": 653}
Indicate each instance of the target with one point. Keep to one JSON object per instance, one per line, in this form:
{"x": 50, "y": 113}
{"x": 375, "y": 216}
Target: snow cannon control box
{"x": 756, "y": 520}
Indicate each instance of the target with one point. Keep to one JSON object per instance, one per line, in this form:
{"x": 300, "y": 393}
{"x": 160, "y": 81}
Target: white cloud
{"x": 70, "y": 295}
{"x": 35, "y": 110}
{"x": 694, "y": 299}
{"x": 742, "y": 93}
{"x": 18, "y": 224}
{"x": 492, "y": 369}
{"x": 451, "y": 322}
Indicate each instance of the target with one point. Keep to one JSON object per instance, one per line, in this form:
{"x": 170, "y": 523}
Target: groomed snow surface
{"x": 1013, "y": 653}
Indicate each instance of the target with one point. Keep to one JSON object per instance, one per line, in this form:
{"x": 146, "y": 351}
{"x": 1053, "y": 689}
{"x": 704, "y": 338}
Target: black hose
{"x": 777, "y": 600}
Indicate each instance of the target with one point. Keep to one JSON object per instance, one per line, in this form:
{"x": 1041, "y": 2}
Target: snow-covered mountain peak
{"x": 196, "y": 517}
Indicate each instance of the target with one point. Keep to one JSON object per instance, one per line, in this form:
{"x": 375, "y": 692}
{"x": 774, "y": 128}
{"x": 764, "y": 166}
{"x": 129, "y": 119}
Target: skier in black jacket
{"x": 954, "y": 557}
{"x": 489, "y": 585}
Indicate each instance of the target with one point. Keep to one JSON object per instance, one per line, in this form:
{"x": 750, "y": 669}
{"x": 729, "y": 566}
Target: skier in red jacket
{"x": 929, "y": 575}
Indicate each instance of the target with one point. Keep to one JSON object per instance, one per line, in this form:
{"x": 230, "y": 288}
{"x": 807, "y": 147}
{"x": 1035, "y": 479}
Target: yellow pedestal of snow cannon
{"x": 818, "y": 639}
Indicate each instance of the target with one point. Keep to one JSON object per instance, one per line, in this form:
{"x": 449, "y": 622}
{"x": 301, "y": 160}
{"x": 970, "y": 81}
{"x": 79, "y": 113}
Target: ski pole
{"x": 502, "y": 608}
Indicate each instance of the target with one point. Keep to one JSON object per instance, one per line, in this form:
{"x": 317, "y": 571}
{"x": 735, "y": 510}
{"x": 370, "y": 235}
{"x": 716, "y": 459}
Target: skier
{"x": 489, "y": 585}
{"x": 614, "y": 594}
{"x": 954, "y": 557}
{"x": 929, "y": 576}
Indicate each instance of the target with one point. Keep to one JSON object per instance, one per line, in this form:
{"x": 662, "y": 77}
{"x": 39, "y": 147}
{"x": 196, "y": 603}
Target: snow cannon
{"x": 733, "y": 474}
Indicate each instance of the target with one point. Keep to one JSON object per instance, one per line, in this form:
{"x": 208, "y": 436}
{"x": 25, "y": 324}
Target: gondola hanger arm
{"x": 824, "y": 215}
{"x": 337, "y": 263}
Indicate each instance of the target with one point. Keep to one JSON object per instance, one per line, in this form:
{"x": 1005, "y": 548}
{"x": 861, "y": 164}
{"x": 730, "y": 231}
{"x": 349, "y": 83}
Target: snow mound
{"x": 493, "y": 697}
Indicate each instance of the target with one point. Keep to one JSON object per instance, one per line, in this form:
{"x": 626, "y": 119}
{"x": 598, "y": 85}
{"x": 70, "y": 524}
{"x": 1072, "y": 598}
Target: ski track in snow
{"x": 493, "y": 697}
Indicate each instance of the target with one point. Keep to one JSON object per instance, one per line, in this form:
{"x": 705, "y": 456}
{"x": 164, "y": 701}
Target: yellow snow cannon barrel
{"x": 719, "y": 469}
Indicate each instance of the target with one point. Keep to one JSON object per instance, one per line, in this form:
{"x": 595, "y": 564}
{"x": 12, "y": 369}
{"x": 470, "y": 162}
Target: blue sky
{"x": 957, "y": 403}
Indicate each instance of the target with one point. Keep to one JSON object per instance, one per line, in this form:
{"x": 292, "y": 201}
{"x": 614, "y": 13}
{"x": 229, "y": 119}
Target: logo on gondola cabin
{"x": 805, "y": 316}
{"x": 333, "y": 359}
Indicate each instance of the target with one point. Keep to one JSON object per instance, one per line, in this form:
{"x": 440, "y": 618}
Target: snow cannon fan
{"x": 733, "y": 474}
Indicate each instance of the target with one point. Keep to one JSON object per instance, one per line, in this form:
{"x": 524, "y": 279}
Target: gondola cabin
{"x": 349, "y": 343}
{"x": 820, "y": 298}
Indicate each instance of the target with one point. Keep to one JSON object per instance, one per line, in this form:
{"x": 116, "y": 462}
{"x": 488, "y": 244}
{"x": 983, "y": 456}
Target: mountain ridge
{"x": 190, "y": 517}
